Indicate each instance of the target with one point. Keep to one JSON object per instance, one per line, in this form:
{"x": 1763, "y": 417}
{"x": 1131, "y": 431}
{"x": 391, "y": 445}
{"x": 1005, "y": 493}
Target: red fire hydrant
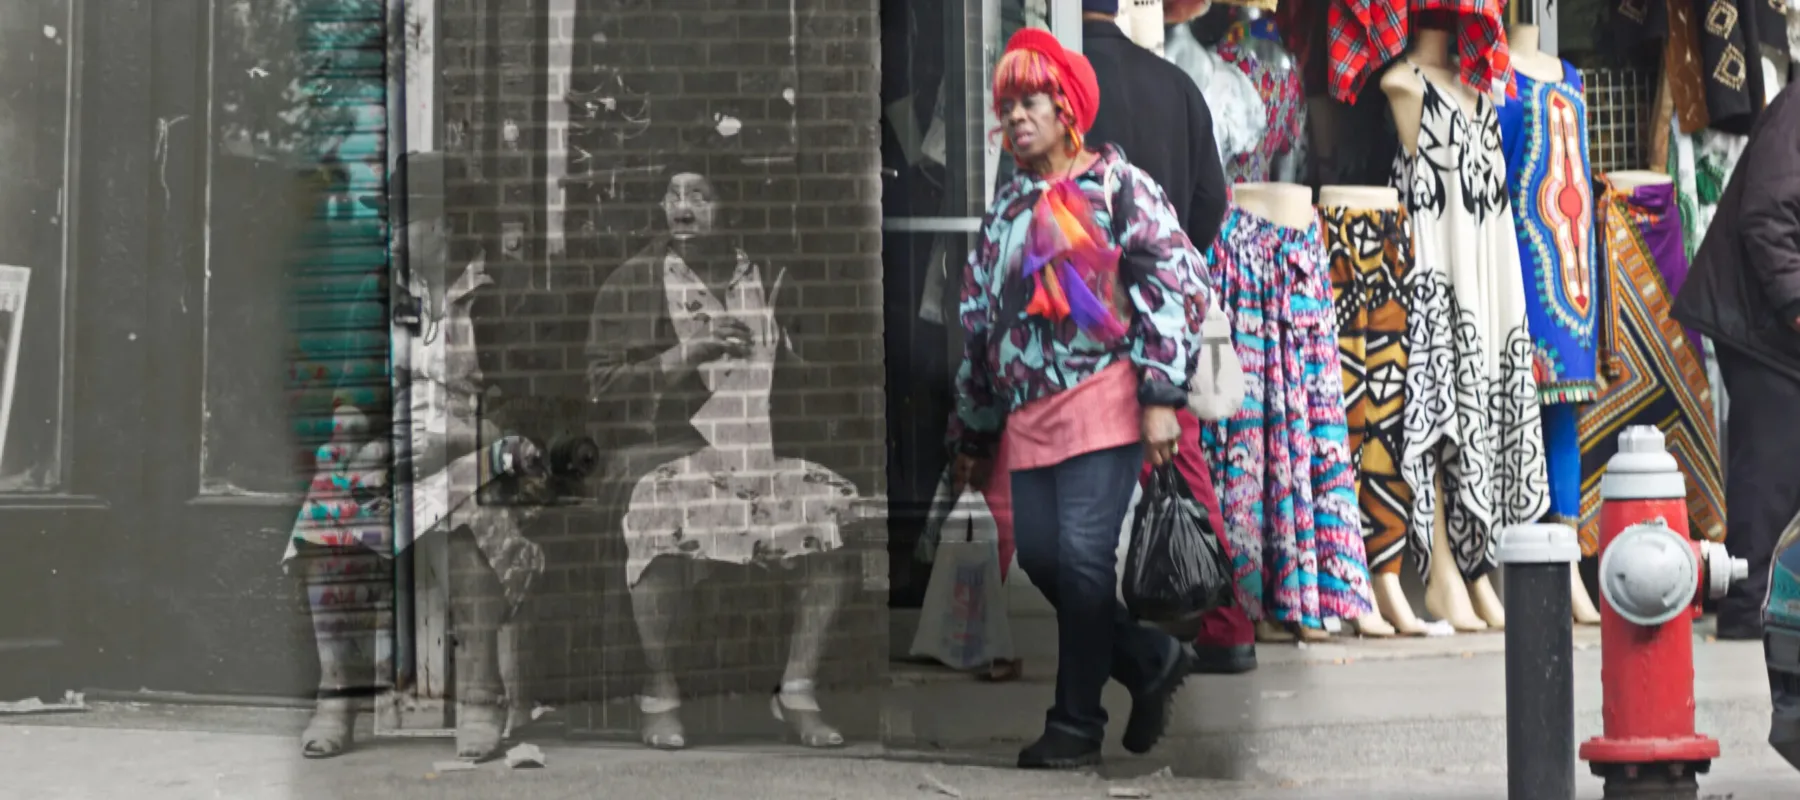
{"x": 1651, "y": 578}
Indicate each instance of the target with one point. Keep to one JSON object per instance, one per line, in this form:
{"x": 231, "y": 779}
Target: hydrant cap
{"x": 1538, "y": 543}
{"x": 1649, "y": 574}
{"x": 1642, "y": 469}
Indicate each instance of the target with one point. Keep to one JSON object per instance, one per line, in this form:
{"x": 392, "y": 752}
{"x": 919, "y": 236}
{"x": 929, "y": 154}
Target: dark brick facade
{"x": 785, "y": 92}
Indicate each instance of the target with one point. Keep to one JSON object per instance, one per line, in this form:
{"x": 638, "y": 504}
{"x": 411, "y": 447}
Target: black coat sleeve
{"x": 1206, "y": 211}
{"x": 1769, "y": 218}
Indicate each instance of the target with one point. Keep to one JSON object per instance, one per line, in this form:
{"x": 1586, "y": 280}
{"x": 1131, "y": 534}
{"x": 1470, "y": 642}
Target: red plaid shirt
{"x": 1364, "y": 35}
{"x": 1480, "y": 41}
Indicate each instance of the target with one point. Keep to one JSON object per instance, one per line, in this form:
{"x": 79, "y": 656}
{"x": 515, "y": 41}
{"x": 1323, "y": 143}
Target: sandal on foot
{"x": 794, "y": 704}
{"x": 659, "y": 725}
{"x": 332, "y": 728}
{"x": 1002, "y": 670}
{"x": 480, "y": 729}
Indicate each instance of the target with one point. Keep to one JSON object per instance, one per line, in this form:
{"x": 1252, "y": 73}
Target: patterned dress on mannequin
{"x": 1548, "y": 176}
{"x": 1472, "y": 411}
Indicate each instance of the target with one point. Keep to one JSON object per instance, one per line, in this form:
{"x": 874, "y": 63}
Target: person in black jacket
{"x": 1152, "y": 111}
{"x": 1743, "y": 291}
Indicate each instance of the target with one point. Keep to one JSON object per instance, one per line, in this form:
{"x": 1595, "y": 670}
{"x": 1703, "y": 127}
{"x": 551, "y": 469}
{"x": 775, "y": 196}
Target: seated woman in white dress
{"x": 685, "y": 347}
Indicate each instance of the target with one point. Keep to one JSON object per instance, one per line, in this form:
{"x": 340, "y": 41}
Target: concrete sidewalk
{"x": 1421, "y": 718}
{"x": 52, "y": 762}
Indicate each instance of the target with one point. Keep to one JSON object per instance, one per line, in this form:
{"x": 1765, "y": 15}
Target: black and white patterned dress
{"x": 1471, "y": 408}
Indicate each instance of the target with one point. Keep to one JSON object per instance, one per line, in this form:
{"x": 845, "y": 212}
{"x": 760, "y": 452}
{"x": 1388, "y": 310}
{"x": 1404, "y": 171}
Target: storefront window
{"x": 266, "y": 129}
{"x": 940, "y": 165}
{"x": 36, "y": 46}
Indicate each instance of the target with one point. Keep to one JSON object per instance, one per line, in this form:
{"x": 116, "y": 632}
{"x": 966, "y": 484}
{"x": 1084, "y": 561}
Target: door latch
{"x": 409, "y": 311}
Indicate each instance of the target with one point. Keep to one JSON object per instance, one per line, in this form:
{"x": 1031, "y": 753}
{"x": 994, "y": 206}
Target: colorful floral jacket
{"x": 1010, "y": 359}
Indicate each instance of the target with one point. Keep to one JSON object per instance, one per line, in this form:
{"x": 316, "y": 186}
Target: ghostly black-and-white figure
{"x": 690, "y": 348}
{"x": 454, "y": 456}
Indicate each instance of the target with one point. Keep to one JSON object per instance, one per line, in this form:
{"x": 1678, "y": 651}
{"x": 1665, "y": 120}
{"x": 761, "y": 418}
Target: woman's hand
{"x": 969, "y": 473}
{"x": 724, "y": 337}
{"x": 1161, "y": 431}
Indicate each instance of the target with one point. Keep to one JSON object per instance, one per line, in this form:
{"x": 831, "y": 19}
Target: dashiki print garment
{"x": 1652, "y": 368}
{"x": 1370, "y": 253}
{"x": 1282, "y": 462}
{"x": 1549, "y": 180}
{"x": 1472, "y": 411}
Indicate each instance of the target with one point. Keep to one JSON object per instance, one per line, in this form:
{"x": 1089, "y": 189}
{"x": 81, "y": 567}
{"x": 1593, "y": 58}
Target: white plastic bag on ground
{"x": 963, "y": 623}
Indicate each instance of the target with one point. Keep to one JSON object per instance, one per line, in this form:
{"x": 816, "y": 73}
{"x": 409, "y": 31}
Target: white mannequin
{"x": 1392, "y": 615}
{"x": 1626, "y": 180}
{"x": 1369, "y": 198}
{"x": 1474, "y": 605}
{"x": 1431, "y": 54}
{"x": 1143, "y": 23}
{"x": 1539, "y": 66}
{"x": 1286, "y": 204}
{"x": 1527, "y": 60}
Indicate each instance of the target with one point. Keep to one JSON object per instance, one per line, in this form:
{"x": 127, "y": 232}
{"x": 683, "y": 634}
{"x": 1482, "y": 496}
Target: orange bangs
{"x": 1022, "y": 73}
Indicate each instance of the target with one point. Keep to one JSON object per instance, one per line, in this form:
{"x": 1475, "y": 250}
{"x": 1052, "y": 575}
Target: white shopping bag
{"x": 968, "y": 508}
{"x": 963, "y": 623}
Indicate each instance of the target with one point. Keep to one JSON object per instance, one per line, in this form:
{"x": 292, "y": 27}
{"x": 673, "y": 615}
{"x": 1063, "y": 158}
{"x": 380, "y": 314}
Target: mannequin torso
{"x": 1626, "y": 180}
{"x": 1370, "y": 198}
{"x": 1430, "y": 54}
{"x": 1143, "y": 22}
{"x": 1527, "y": 60}
{"x": 1285, "y": 204}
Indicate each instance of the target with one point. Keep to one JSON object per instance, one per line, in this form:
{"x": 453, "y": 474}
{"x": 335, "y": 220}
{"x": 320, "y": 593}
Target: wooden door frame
{"x": 417, "y": 706}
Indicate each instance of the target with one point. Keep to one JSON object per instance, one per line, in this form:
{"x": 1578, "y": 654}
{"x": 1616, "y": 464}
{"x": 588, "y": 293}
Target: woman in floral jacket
{"x": 1080, "y": 308}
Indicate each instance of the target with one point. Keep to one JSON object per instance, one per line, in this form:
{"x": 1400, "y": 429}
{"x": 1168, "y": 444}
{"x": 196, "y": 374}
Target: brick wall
{"x": 780, "y": 96}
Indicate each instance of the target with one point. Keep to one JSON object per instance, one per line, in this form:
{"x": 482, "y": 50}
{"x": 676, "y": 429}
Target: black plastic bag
{"x": 1176, "y": 568}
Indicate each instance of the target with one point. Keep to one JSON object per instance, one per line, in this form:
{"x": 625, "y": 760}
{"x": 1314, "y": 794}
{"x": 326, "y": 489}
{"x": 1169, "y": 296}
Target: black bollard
{"x": 1540, "y": 661}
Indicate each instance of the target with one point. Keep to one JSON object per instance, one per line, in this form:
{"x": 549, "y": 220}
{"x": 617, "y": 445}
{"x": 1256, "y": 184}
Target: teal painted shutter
{"x": 342, "y": 354}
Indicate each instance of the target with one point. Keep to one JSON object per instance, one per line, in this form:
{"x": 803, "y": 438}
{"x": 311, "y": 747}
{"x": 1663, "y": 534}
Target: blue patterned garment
{"x": 1548, "y": 175}
{"x": 1010, "y": 359}
{"x": 1545, "y": 138}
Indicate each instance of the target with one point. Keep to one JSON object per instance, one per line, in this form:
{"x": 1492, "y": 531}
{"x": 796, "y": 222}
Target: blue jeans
{"x": 1066, "y": 519}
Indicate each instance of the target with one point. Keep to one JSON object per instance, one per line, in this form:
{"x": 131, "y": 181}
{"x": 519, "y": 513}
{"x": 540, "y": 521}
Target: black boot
{"x": 1741, "y": 627}
{"x": 1150, "y": 705}
{"x": 1057, "y": 749}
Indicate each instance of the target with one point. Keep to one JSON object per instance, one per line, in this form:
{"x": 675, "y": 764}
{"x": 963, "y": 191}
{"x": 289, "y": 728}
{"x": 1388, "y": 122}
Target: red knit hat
{"x": 1074, "y": 74}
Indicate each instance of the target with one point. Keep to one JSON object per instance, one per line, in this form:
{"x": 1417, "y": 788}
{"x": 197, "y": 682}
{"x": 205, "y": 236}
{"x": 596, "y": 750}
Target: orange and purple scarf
{"x": 1066, "y": 257}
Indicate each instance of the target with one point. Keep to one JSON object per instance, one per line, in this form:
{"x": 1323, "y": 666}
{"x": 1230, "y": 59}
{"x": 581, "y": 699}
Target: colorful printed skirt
{"x": 1282, "y": 462}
